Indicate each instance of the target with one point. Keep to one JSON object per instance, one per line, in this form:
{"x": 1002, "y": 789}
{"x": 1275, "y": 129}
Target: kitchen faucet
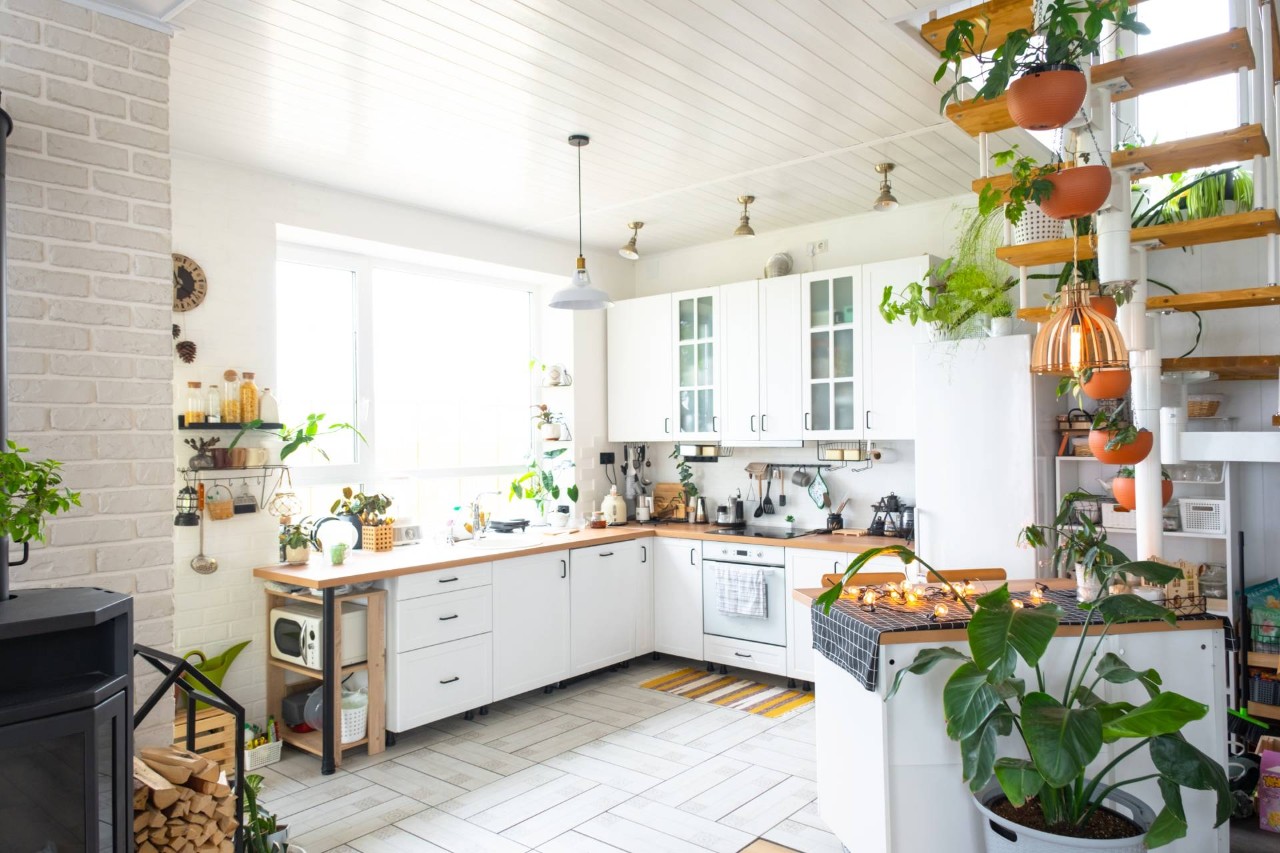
{"x": 476, "y": 527}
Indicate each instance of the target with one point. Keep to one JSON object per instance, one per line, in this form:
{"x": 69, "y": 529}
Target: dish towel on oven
{"x": 741, "y": 591}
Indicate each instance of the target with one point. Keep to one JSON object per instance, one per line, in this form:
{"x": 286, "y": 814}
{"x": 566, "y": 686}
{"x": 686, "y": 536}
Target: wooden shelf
{"x": 1264, "y": 660}
{"x": 1174, "y": 235}
{"x": 1237, "y": 145}
{"x": 1266, "y": 712}
{"x": 314, "y": 674}
{"x": 1129, "y": 77}
{"x": 311, "y": 742}
{"x": 1202, "y": 59}
{"x": 1213, "y": 300}
{"x": 1230, "y": 368}
{"x": 183, "y": 425}
{"x": 1000, "y": 17}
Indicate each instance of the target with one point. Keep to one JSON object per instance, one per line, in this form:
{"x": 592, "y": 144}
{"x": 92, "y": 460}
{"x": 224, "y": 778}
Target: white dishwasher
{"x": 751, "y": 642}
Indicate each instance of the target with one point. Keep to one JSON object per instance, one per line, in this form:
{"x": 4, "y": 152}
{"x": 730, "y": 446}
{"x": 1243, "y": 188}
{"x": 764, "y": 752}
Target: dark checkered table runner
{"x": 849, "y": 636}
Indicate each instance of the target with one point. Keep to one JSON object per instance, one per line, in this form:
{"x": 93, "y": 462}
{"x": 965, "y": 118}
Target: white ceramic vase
{"x": 550, "y": 432}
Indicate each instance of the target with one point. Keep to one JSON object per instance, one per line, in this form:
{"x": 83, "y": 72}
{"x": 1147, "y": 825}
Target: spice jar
{"x": 231, "y": 397}
{"x": 248, "y": 399}
{"x": 213, "y": 405}
{"x": 194, "y": 412}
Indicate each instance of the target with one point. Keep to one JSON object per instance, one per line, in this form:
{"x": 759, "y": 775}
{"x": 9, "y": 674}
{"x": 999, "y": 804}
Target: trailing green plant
{"x": 1030, "y": 184}
{"x": 685, "y": 473}
{"x": 291, "y": 536}
{"x": 1062, "y": 728}
{"x": 1120, "y": 427}
{"x": 1126, "y": 473}
{"x": 29, "y": 491}
{"x": 963, "y": 294}
{"x": 371, "y": 509}
{"x": 259, "y": 823}
{"x": 301, "y": 435}
{"x": 1067, "y": 32}
{"x": 537, "y": 482}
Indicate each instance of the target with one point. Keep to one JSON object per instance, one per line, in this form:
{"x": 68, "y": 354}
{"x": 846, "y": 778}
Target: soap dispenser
{"x": 614, "y": 507}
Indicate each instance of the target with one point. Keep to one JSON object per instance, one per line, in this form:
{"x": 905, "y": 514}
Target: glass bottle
{"x": 231, "y": 397}
{"x": 194, "y": 412}
{"x": 248, "y": 398}
{"x": 213, "y": 405}
{"x": 268, "y": 408}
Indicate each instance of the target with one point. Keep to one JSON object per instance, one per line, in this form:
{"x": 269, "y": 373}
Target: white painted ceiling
{"x": 464, "y": 106}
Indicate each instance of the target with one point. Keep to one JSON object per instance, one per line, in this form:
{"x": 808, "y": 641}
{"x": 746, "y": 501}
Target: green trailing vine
{"x": 685, "y": 474}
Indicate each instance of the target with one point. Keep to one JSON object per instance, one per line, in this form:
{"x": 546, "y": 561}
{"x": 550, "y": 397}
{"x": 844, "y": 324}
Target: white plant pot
{"x": 1001, "y": 327}
{"x": 1003, "y": 836}
{"x": 550, "y": 432}
{"x": 295, "y": 556}
{"x": 1036, "y": 227}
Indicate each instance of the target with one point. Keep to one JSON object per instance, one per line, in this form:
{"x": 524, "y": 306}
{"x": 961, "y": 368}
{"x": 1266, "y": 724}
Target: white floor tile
{"x": 346, "y": 821}
{"x": 773, "y": 806}
{"x": 514, "y": 785}
{"x": 809, "y": 816}
{"x": 456, "y": 835}
{"x": 455, "y": 771}
{"x": 558, "y": 819}
{"x": 493, "y": 726}
{"x": 680, "y": 824}
{"x": 482, "y": 756}
{"x": 576, "y": 842}
{"x": 507, "y": 814}
{"x": 332, "y": 788}
{"x": 405, "y": 744}
{"x": 707, "y": 724}
{"x": 631, "y": 759}
{"x": 673, "y": 717}
{"x": 579, "y": 706}
{"x": 695, "y": 780}
{"x": 634, "y": 837}
{"x": 803, "y": 838}
{"x": 529, "y": 735}
{"x": 658, "y": 748}
{"x": 565, "y": 741}
{"x": 736, "y": 732}
{"x": 732, "y": 793}
{"x": 392, "y": 839}
{"x": 753, "y": 753}
{"x": 631, "y": 781}
{"x": 412, "y": 783}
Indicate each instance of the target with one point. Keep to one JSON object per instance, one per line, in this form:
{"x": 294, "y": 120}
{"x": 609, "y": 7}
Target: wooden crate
{"x": 215, "y": 735}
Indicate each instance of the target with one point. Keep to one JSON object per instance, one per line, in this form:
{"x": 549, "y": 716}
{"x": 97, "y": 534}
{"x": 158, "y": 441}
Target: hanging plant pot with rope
{"x": 1114, "y": 439}
{"x": 1106, "y": 384}
{"x": 1046, "y": 97}
{"x": 1125, "y": 492}
{"x": 1077, "y": 191}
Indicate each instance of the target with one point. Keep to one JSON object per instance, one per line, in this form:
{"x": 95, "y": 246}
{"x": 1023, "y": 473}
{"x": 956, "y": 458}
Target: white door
{"x": 889, "y": 365}
{"x": 781, "y": 397}
{"x": 740, "y": 348}
{"x": 804, "y": 571}
{"x": 602, "y": 613}
{"x": 832, "y": 348}
{"x": 677, "y": 597}
{"x": 696, "y": 326}
{"x": 643, "y": 591}
{"x": 639, "y": 369}
{"x": 530, "y": 622}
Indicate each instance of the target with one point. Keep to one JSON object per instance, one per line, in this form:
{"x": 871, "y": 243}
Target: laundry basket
{"x": 1202, "y": 515}
{"x": 355, "y": 715}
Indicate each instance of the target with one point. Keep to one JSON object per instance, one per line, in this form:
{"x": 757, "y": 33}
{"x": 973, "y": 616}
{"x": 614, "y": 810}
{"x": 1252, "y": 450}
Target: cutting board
{"x": 668, "y": 500}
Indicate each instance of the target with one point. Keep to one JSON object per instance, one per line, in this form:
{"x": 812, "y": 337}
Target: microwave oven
{"x": 297, "y": 634}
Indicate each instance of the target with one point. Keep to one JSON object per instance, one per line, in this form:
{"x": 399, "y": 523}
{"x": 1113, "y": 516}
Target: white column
{"x": 1144, "y": 362}
{"x": 1256, "y": 23}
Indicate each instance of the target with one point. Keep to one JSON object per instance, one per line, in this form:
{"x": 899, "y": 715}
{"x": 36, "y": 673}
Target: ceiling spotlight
{"x": 885, "y": 201}
{"x": 580, "y": 295}
{"x": 629, "y": 251}
{"x": 744, "y": 222}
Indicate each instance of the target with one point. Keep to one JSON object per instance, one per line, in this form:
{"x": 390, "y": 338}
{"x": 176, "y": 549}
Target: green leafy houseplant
{"x": 291, "y": 536}
{"x": 538, "y": 481}
{"x": 1030, "y": 185}
{"x": 966, "y": 293}
{"x": 1067, "y": 32}
{"x": 301, "y": 435}
{"x": 685, "y": 473}
{"x": 1062, "y": 727}
{"x": 369, "y": 509}
{"x": 261, "y": 827}
{"x": 29, "y": 490}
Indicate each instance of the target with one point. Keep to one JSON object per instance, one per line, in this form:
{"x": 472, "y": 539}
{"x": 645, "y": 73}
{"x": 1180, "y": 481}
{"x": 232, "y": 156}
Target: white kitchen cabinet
{"x": 438, "y": 681}
{"x": 602, "y": 611}
{"x": 531, "y": 622}
{"x": 760, "y": 347}
{"x": 833, "y": 306}
{"x": 677, "y": 597}
{"x": 889, "y": 363}
{"x": 697, "y": 329}
{"x": 643, "y": 591}
{"x": 639, "y": 369}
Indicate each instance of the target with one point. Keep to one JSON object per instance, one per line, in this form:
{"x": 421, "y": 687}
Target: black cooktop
{"x": 762, "y": 532}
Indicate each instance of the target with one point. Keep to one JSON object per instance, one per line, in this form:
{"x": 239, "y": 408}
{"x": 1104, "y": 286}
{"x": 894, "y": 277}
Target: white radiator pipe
{"x": 1255, "y": 24}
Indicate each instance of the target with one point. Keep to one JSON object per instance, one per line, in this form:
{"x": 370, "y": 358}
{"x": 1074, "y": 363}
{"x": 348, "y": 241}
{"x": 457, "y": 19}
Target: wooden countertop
{"x": 362, "y": 566}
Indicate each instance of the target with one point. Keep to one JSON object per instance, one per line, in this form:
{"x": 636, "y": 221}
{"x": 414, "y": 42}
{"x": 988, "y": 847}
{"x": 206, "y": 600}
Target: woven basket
{"x": 1203, "y": 405}
{"x": 379, "y": 538}
{"x": 220, "y": 503}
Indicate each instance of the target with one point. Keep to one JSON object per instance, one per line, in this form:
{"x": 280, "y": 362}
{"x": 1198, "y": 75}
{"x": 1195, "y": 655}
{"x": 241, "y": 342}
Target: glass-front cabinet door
{"x": 833, "y": 325}
{"x": 697, "y": 364}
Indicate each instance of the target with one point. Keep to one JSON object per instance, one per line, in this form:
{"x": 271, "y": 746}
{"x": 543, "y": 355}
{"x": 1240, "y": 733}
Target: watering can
{"x": 213, "y": 668}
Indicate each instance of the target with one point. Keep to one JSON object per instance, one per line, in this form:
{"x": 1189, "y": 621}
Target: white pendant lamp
{"x": 580, "y": 295}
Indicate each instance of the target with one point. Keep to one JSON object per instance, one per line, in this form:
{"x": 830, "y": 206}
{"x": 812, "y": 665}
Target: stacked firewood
{"x": 181, "y": 803}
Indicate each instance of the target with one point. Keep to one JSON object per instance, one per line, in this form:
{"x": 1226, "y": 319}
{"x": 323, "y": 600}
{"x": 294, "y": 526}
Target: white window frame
{"x": 365, "y": 469}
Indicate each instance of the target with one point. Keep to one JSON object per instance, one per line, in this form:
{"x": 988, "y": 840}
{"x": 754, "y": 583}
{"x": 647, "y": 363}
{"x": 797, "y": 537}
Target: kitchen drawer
{"x": 440, "y": 581}
{"x": 436, "y": 682}
{"x": 433, "y": 619}
{"x": 745, "y": 654}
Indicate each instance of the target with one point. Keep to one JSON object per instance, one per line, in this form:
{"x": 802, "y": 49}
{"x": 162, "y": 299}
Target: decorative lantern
{"x": 1078, "y": 338}
{"x": 188, "y": 508}
{"x": 284, "y": 505}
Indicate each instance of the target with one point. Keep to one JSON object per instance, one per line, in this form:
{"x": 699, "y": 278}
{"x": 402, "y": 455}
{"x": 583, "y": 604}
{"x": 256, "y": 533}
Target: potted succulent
{"x": 1115, "y": 440}
{"x": 538, "y": 481}
{"x": 296, "y": 545}
{"x": 549, "y": 423}
{"x": 791, "y": 522}
{"x": 1043, "y": 793}
{"x": 1001, "y": 311}
{"x": 1039, "y": 67}
{"x": 1123, "y": 489}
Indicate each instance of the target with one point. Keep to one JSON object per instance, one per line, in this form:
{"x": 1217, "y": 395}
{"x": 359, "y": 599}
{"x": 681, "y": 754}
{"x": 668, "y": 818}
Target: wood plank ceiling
{"x": 464, "y": 106}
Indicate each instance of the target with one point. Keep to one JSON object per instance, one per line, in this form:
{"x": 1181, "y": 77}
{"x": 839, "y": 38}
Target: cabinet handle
{"x": 866, "y": 420}
{"x": 741, "y": 655}
{"x": 447, "y": 618}
{"x": 449, "y": 680}
{"x": 564, "y": 569}
{"x": 835, "y": 564}
{"x": 764, "y": 423}
{"x": 806, "y": 420}
{"x": 714, "y": 428}
{"x": 644, "y": 554}
{"x": 692, "y": 551}
{"x": 606, "y": 553}
{"x": 447, "y": 580}
{"x": 666, "y": 426}
{"x": 753, "y": 423}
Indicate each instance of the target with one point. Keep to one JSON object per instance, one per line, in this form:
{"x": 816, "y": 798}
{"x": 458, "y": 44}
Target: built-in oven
{"x": 771, "y": 628}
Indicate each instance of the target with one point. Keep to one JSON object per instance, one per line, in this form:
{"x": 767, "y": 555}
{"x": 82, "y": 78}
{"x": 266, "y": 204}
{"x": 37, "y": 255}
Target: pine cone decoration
{"x": 186, "y": 351}
{"x": 177, "y": 330}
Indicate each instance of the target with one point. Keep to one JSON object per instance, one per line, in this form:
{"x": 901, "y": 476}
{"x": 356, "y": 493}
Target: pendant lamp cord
{"x": 579, "y": 201}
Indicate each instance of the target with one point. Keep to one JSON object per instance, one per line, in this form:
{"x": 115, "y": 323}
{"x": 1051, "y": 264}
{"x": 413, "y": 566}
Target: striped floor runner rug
{"x": 741, "y": 694}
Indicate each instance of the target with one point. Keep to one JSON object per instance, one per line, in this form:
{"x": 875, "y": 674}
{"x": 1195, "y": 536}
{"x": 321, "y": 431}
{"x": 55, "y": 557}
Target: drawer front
{"x": 433, "y": 619}
{"x": 745, "y": 654}
{"x": 433, "y": 683}
{"x": 441, "y": 581}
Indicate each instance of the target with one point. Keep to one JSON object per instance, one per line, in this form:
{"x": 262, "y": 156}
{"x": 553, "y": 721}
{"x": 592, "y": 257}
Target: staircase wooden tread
{"x": 1245, "y": 297}
{"x": 1233, "y": 368}
{"x": 1197, "y": 232}
{"x": 999, "y": 17}
{"x": 1237, "y": 145}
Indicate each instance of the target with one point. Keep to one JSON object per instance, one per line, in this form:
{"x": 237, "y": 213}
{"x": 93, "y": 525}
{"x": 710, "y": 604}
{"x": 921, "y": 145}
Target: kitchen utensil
{"x": 203, "y": 565}
{"x": 843, "y": 504}
{"x": 759, "y": 511}
{"x": 700, "y": 512}
{"x": 767, "y": 503}
{"x": 782, "y": 488}
{"x": 818, "y": 492}
{"x": 802, "y": 478}
{"x": 644, "y": 456}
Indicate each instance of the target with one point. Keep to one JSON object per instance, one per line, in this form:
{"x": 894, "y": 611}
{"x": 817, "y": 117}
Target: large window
{"x": 431, "y": 366}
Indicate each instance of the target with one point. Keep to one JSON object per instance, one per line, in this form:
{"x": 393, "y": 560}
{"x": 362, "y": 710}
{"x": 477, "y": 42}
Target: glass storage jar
{"x": 213, "y": 405}
{"x": 194, "y": 411}
{"x": 248, "y": 398}
{"x": 231, "y": 397}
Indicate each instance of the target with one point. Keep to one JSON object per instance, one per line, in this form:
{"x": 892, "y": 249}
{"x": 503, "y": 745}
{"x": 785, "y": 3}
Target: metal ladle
{"x": 202, "y": 564}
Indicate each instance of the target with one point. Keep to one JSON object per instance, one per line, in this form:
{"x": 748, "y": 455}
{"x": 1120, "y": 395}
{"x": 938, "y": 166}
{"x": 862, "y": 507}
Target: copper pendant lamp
{"x": 1078, "y": 338}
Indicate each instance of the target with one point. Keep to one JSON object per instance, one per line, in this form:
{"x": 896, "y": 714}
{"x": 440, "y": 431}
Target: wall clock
{"x": 189, "y": 283}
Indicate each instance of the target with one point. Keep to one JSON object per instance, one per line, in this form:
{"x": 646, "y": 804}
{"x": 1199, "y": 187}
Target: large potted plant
{"x": 1042, "y": 793}
{"x": 1039, "y": 66}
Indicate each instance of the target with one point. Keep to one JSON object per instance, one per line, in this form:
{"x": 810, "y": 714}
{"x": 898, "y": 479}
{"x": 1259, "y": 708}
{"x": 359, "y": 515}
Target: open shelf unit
{"x": 1264, "y": 660}
{"x": 1229, "y": 367}
{"x": 1264, "y": 711}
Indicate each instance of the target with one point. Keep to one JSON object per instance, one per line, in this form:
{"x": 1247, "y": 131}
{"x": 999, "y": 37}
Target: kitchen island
{"x": 889, "y": 778}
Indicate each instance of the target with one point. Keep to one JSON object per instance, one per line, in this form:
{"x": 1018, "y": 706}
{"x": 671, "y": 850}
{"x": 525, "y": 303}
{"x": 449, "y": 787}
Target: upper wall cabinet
{"x": 696, "y": 323}
{"x": 761, "y": 349}
{"x": 889, "y": 361}
{"x": 640, "y": 369}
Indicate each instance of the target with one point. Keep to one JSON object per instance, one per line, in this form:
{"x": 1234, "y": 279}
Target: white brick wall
{"x": 90, "y": 355}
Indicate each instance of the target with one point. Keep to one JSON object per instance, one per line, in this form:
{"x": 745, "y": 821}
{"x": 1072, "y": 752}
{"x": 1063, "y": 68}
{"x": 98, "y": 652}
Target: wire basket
{"x": 1264, "y": 689}
{"x": 261, "y": 756}
{"x": 1203, "y": 405}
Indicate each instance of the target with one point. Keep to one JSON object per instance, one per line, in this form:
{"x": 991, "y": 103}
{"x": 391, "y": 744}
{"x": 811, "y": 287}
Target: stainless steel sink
{"x": 504, "y": 542}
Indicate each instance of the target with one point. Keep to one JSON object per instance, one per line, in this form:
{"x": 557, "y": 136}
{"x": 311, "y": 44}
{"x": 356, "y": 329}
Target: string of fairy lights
{"x": 933, "y": 602}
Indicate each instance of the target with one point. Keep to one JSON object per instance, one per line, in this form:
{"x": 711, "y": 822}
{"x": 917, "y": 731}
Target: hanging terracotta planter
{"x": 1046, "y": 96}
{"x": 1125, "y": 492}
{"x": 1105, "y": 305}
{"x": 1126, "y": 454}
{"x": 1078, "y": 191}
{"x": 1107, "y": 384}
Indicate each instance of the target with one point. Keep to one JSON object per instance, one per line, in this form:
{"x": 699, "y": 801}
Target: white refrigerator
{"x": 984, "y": 453}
